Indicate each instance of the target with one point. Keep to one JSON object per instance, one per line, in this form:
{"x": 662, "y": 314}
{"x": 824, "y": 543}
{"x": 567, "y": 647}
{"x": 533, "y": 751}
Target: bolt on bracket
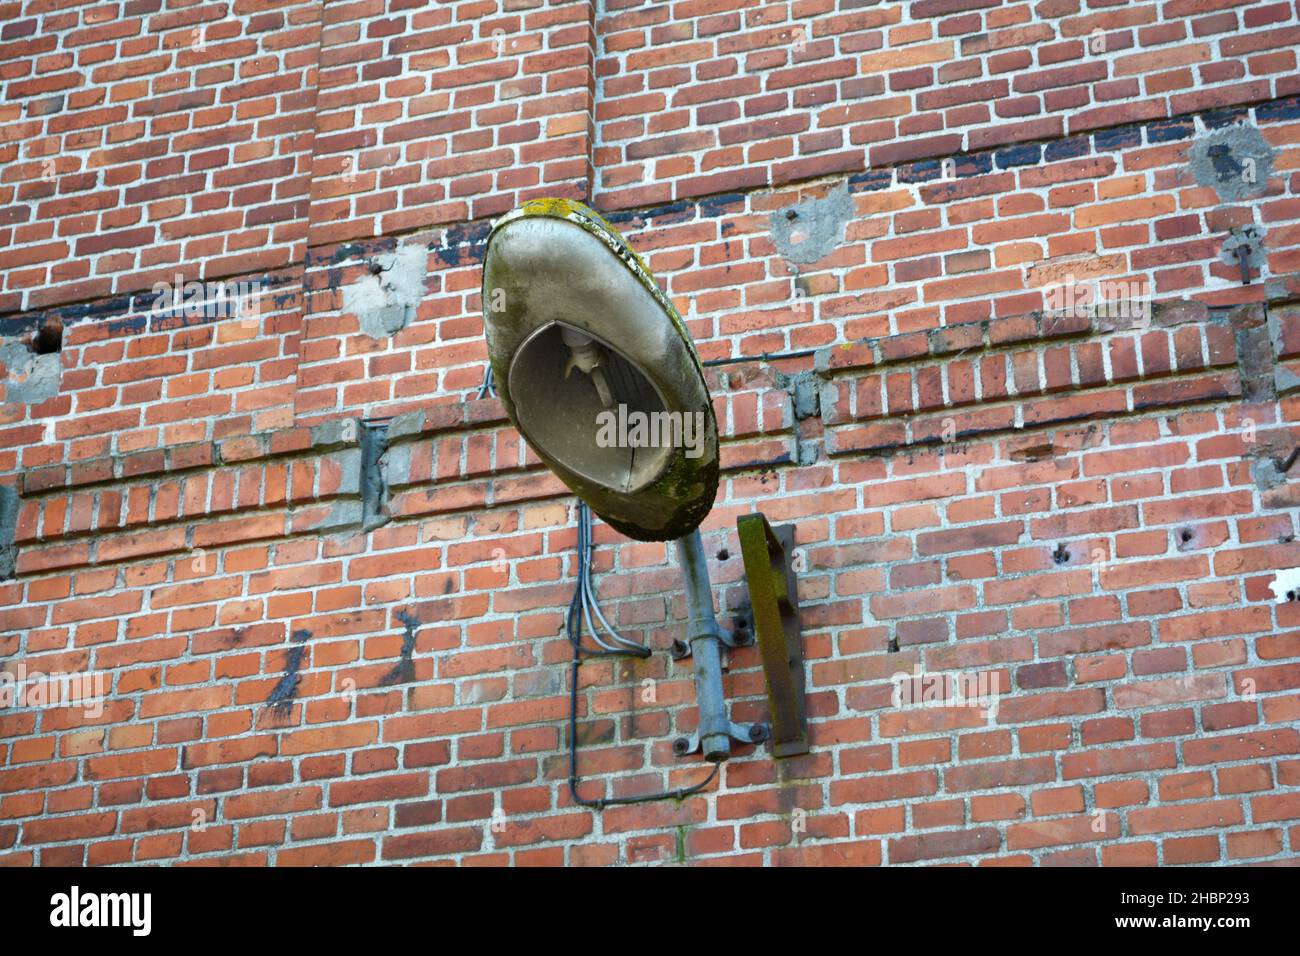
{"x": 679, "y": 650}
{"x": 754, "y": 733}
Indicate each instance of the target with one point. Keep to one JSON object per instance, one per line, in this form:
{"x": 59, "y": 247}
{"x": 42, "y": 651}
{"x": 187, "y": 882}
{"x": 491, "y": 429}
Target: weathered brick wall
{"x": 140, "y": 140}
{"x": 702, "y": 96}
{"x": 875, "y": 218}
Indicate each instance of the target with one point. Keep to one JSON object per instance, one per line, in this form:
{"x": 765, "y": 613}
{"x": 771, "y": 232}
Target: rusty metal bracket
{"x": 770, "y": 575}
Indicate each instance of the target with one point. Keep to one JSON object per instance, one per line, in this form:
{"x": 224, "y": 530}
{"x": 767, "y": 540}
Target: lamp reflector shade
{"x": 597, "y": 370}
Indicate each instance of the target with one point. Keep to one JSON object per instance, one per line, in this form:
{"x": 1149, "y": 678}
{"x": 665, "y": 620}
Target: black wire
{"x": 601, "y": 804}
{"x": 762, "y": 357}
{"x": 573, "y": 630}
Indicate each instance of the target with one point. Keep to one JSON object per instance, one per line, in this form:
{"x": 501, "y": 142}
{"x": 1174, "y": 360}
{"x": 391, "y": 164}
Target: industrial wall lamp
{"x": 580, "y": 337}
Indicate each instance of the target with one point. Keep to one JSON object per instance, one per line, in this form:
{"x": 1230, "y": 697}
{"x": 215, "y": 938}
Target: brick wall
{"x": 965, "y": 276}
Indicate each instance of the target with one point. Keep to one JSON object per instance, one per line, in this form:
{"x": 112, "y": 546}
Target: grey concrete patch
{"x": 1276, "y": 289}
{"x": 397, "y": 465}
{"x": 346, "y": 513}
{"x": 335, "y": 432}
{"x": 406, "y": 425}
{"x": 349, "y": 463}
{"x": 805, "y": 393}
{"x": 1285, "y": 381}
{"x": 385, "y": 302}
{"x": 342, "y": 514}
{"x": 1234, "y": 160}
{"x": 810, "y": 230}
{"x": 31, "y": 378}
{"x": 1266, "y": 473}
{"x": 1250, "y": 238}
{"x": 830, "y": 394}
{"x": 805, "y": 452}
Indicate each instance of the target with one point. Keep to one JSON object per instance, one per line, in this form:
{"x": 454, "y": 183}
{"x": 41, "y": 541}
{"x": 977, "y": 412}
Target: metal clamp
{"x": 754, "y": 733}
{"x": 679, "y": 650}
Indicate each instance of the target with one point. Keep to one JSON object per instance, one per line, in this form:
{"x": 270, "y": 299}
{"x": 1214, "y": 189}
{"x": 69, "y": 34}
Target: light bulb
{"x": 587, "y": 356}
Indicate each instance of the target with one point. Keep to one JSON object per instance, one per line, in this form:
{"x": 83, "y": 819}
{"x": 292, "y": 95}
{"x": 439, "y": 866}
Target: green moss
{"x": 596, "y": 224}
{"x": 690, "y": 485}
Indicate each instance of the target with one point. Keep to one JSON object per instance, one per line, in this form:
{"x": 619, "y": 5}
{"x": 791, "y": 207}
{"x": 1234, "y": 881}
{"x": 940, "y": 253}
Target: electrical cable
{"x": 580, "y": 608}
{"x": 761, "y": 357}
{"x": 589, "y": 603}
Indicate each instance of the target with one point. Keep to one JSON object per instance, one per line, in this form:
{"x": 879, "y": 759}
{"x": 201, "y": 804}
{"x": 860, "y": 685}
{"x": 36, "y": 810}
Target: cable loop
{"x": 581, "y": 607}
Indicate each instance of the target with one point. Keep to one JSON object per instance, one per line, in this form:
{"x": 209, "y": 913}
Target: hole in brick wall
{"x": 1060, "y": 555}
{"x": 724, "y": 554}
{"x": 1034, "y": 453}
{"x": 48, "y": 339}
{"x": 1185, "y": 535}
{"x": 1285, "y": 466}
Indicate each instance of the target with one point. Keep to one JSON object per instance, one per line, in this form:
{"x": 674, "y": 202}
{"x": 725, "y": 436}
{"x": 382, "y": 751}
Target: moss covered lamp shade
{"x": 597, "y": 370}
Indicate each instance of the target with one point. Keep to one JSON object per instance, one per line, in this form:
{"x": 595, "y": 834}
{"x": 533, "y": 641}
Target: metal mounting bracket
{"x": 680, "y": 650}
{"x": 770, "y": 575}
{"x": 754, "y": 733}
